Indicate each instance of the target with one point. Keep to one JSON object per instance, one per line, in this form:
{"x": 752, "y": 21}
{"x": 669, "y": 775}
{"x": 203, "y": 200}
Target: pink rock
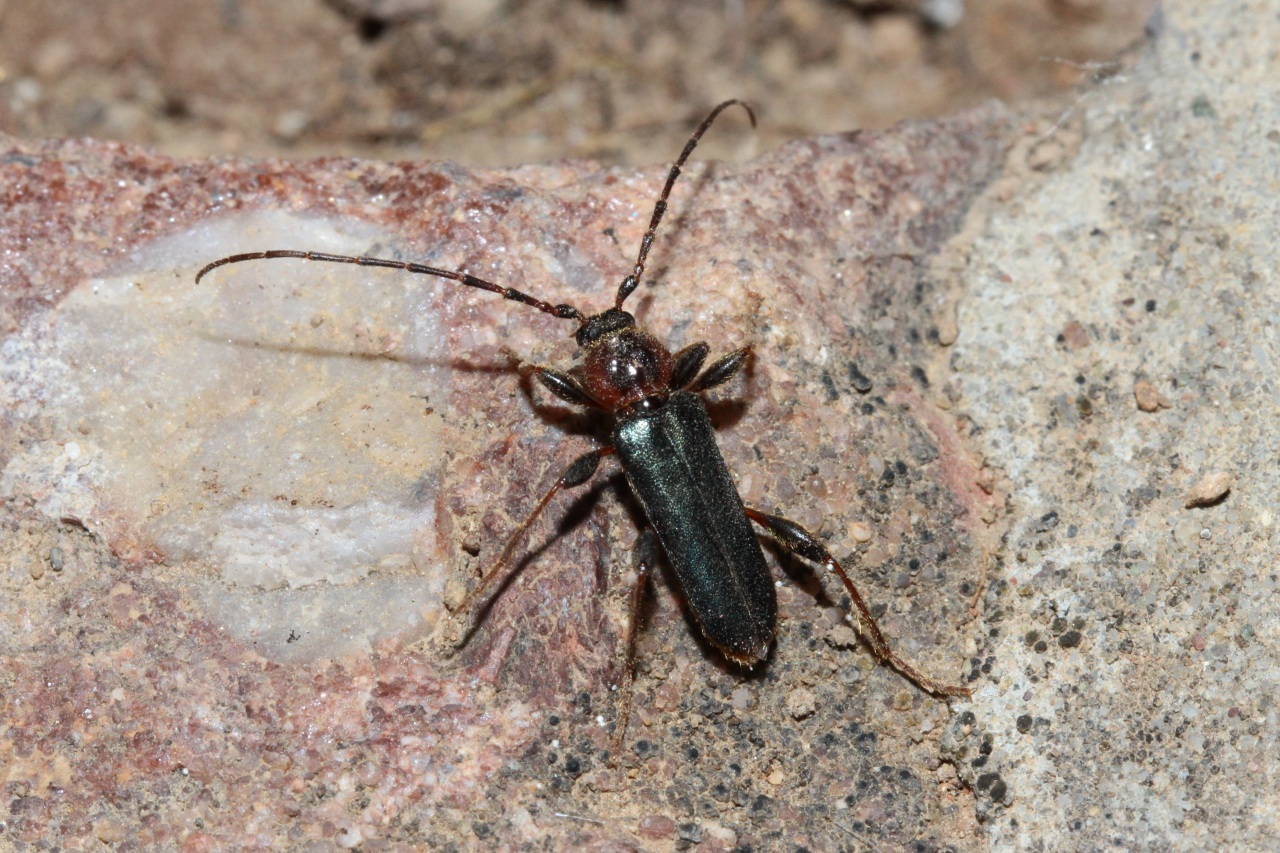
{"x": 260, "y": 486}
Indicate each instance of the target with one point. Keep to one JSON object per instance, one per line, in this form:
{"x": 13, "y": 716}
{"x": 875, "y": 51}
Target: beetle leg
{"x": 686, "y": 364}
{"x": 795, "y": 538}
{"x": 721, "y": 370}
{"x": 564, "y": 386}
{"x": 579, "y": 472}
{"x": 647, "y": 556}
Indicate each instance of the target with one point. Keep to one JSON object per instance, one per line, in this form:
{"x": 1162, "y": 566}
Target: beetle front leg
{"x": 795, "y": 538}
{"x": 686, "y": 364}
{"x": 565, "y": 386}
{"x": 580, "y": 471}
{"x": 721, "y": 370}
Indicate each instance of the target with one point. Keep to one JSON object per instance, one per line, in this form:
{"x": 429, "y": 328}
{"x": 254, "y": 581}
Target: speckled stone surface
{"x": 232, "y": 513}
{"x": 1119, "y": 342}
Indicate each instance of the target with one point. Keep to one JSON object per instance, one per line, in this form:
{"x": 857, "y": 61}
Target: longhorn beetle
{"x": 663, "y": 439}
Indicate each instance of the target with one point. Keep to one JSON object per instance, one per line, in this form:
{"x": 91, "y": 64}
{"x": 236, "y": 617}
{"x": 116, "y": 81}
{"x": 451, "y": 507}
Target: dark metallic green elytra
{"x": 676, "y": 470}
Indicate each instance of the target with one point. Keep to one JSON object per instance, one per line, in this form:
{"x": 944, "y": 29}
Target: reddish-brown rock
{"x": 187, "y": 673}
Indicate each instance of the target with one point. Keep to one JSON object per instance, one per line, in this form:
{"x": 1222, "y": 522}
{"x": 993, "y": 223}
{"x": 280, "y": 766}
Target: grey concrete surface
{"x": 1119, "y": 337}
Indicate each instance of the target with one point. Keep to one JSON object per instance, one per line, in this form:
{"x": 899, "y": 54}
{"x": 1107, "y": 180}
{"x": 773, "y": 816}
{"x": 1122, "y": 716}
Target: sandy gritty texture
{"x": 1013, "y": 398}
{"x": 183, "y": 667}
{"x": 1136, "y": 243}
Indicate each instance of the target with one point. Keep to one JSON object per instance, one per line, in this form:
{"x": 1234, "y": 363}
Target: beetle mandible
{"x": 663, "y": 438}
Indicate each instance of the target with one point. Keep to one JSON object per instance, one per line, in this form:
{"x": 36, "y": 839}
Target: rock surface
{"x": 234, "y": 510}
{"x": 1134, "y": 674}
{"x": 999, "y": 404}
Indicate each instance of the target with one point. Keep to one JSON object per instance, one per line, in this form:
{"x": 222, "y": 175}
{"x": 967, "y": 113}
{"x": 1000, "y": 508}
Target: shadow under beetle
{"x": 663, "y": 438}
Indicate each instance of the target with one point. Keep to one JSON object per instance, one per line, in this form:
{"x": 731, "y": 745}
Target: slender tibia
{"x": 565, "y": 312}
{"x": 579, "y": 471}
{"x": 795, "y": 538}
{"x": 647, "y": 556}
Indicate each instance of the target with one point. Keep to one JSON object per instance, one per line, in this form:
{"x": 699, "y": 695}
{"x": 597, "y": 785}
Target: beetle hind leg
{"x": 795, "y": 538}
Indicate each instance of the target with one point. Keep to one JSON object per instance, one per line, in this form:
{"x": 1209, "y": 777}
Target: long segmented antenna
{"x": 565, "y": 312}
{"x": 631, "y": 282}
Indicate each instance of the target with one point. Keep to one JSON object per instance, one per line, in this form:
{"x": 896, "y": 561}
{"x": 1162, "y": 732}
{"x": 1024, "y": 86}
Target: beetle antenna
{"x": 564, "y": 312}
{"x": 631, "y": 282}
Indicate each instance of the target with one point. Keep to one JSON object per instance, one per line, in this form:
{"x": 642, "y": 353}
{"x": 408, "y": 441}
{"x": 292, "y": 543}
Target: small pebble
{"x": 727, "y": 837}
{"x": 1186, "y": 531}
{"x": 1211, "y": 488}
{"x": 948, "y": 328}
{"x": 1148, "y": 398}
{"x": 850, "y": 675}
{"x": 1075, "y": 336}
{"x": 656, "y": 826}
{"x": 801, "y": 703}
{"x": 688, "y": 835}
{"x": 859, "y": 532}
{"x": 841, "y": 637}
